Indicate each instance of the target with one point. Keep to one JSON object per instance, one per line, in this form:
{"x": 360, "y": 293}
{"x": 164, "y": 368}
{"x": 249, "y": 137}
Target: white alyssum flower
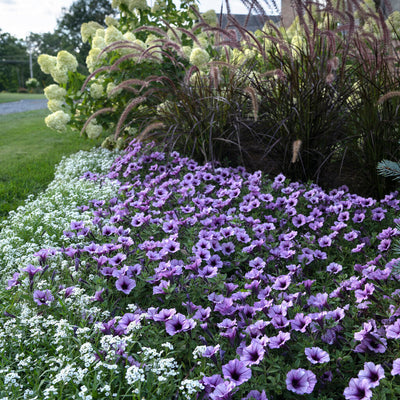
{"x": 54, "y": 209}
{"x": 134, "y": 374}
{"x": 198, "y": 351}
{"x": 189, "y": 387}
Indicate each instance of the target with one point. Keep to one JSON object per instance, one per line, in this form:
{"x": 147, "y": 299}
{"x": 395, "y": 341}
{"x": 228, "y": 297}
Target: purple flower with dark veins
{"x": 125, "y": 284}
{"x": 13, "y": 281}
{"x": 211, "y": 382}
{"x": 228, "y": 248}
{"x": 32, "y": 270}
{"x": 253, "y": 354}
{"x": 223, "y": 391}
{"x": 179, "y": 323}
{"x": 236, "y": 371}
{"x": 325, "y": 241}
{"x": 372, "y": 373}
{"x": 255, "y": 395}
{"x": 316, "y": 355}
{"x": 358, "y": 389}
{"x": 319, "y": 300}
{"x": 282, "y": 282}
{"x": 396, "y": 367}
{"x": 334, "y": 268}
{"x": 275, "y": 342}
{"x": 300, "y": 381}
{"x": 210, "y": 351}
{"x": 393, "y": 331}
{"x": 43, "y": 298}
{"x": 117, "y": 259}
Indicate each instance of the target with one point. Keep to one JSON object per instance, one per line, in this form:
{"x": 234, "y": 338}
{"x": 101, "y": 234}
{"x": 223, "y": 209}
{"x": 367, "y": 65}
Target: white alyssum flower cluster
{"x": 36, "y": 342}
{"x": 190, "y": 387}
{"x": 40, "y": 222}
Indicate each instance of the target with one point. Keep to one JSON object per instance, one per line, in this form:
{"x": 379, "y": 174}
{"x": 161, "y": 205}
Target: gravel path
{"x": 22, "y": 106}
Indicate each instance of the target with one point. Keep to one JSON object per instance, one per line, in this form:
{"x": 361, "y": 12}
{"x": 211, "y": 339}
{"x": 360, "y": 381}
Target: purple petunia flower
{"x": 117, "y": 259}
{"x": 300, "y": 381}
{"x": 393, "y": 331}
{"x": 32, "y": 270}
{"x": 227, "y": 248}
{"x": 363, "y": 294}
{"x": 396, "y": 367}
{"x": 179, "y": 323}
{"x": 282, "y": 282}
{"x": 255, "y": 395}
{"x": 372, "y": 373}
{"x": 211, "y": 382}
{"x": 253, "y": 354}
{"x": 125, "y": 284}
{"x": 325, "y": 241}
{"x": 278, "y": 341}
{"x": 43, "y": 298}
{"x": 358, "y": 389}
{"x": 223, "y": 391}
{"x": 299, "y": 220}
{"x": 316, "y": 355}
{"x": 334, "y": 268}
{"x": 300, "y": 322}
{"x": 236, "y": 371}
{"x": 164, "y": 315}
{"x": 13, "y": 281}
{"x": 319, "y": 300}
{"x": 125, "y": 321}
{"x": 210, "y": 351}
{"x": 97, "y": 296}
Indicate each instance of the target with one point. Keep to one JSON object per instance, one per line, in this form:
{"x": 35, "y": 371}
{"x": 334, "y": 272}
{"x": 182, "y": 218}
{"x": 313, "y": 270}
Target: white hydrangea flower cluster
{"x": 88, "y": 30}
{"x": 96, "y": 90}
{"x": 199, "y": 57}
{"x": 58, "y": 67}
{"x": 55, "y": 92}
{"x": 131, "y": 4}
{"x": 55, "y": 95}
{"x": 58, "y": 120}
{"x": 93, "y": 130}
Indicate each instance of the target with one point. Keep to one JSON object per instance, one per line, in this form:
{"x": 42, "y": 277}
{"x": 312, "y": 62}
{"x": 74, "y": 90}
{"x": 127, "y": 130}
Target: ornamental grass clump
{"x": 195, "y": 281}
{"x": 319, "y": 85}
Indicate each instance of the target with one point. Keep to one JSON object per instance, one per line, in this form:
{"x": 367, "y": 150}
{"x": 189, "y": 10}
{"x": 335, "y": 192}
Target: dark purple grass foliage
{"x": 265, "y": 273}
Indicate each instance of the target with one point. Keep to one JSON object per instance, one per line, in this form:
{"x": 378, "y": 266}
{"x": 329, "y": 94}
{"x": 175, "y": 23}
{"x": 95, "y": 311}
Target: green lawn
{"x": 29, "y": 152}
{"x": 6, "y": 97}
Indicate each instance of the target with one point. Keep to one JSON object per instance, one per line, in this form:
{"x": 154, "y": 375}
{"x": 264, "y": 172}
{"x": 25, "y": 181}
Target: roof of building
{"x": 252, "y": 22}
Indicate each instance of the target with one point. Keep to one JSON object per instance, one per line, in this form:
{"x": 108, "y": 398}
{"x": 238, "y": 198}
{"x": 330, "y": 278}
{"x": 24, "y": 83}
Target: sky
{"x": 20, "y": 17}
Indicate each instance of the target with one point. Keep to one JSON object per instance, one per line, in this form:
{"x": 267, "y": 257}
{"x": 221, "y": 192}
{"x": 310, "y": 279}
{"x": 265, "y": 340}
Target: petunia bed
{"x": 249, "y": 287}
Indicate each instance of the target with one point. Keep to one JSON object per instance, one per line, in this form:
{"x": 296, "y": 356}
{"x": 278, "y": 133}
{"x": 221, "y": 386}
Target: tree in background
{"x": 14, "y": 63}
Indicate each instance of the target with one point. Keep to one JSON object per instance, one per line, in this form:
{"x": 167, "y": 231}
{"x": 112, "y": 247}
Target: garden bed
{"x": 192, "y": 282}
